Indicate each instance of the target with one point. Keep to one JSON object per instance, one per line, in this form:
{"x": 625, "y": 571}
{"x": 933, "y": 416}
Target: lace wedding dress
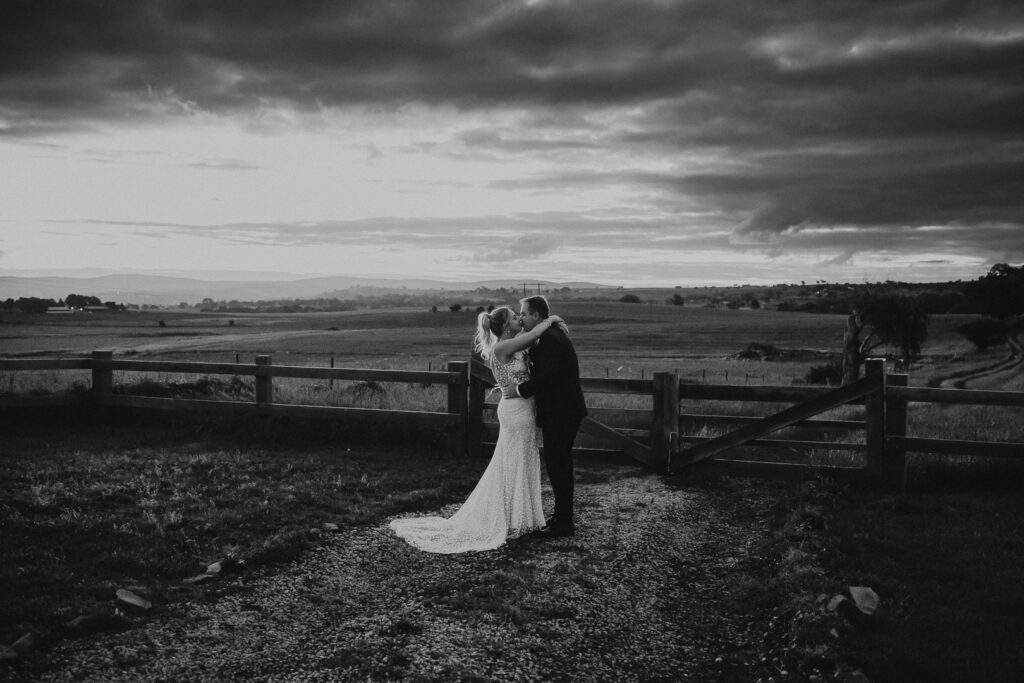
{"x": 507, "y": 500}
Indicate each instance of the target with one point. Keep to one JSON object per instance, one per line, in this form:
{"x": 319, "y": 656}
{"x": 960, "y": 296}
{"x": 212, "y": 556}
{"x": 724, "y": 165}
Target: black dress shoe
{"x": 554, "y": 521}
{"x": 556, "y": 530}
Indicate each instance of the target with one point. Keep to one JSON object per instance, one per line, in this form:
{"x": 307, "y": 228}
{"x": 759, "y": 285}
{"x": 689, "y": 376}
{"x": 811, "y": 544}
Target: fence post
{"x": 666, "y": 419}
{"x": 264, "y": 382}
{"x": 457, "y": 403}
{"x": 874, "y": 418}
{"x": 102, "y": 374}
{"x": 895, "y": 464}
{"x": 477, "y": 391}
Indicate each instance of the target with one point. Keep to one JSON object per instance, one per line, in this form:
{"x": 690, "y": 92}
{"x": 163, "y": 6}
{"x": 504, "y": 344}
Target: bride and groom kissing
{"x": 536, "y": 368}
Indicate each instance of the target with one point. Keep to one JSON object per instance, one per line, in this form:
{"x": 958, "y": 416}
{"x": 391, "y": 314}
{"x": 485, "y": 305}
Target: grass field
{"x": 612, "y": 339}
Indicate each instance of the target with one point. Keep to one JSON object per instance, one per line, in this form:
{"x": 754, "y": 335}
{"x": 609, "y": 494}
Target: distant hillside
{"x": 161, "y": 290}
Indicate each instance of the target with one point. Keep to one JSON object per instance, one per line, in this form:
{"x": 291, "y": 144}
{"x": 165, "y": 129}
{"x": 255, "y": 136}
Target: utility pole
{"x": 538, "y": 284}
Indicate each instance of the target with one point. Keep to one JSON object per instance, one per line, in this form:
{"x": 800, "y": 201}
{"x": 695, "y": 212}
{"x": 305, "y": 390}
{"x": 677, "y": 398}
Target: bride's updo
{"x": 489, "y": 327}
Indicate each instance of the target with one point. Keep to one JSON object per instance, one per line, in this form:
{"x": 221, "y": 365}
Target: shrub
{"x": 831, "y": 373}
{"x": 756, "y": 351}
{"x": 630, "y": 299}
{"x": 985, "y": 332}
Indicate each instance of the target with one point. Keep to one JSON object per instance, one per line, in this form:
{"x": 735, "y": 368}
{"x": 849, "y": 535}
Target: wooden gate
{"x": 790, "y": 416}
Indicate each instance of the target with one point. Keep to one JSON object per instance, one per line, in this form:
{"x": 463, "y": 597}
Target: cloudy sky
{"x": 620, "y": 142}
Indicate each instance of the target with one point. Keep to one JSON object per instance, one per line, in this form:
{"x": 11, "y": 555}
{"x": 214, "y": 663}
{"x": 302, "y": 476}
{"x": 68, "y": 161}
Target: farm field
{"x": 608, "y": 336}
{"x": 613, "y": 339}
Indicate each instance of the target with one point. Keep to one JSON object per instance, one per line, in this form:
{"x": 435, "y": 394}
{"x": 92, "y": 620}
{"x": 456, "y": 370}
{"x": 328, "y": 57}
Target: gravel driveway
{"x": 640, "y": 593}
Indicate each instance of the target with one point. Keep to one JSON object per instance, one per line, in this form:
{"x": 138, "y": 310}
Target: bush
{"x": 985, "y": 332}
{"x": 831, "y": 373}
{"x": 630, "y": 299}
{"x": 756, "y": 351}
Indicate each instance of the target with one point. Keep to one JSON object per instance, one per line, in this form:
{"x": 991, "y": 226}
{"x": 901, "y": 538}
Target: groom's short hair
{"x": 537, "y": 304}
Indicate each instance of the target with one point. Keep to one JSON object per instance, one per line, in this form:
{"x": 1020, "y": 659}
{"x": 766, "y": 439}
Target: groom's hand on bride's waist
{"x": 511, "y": 391}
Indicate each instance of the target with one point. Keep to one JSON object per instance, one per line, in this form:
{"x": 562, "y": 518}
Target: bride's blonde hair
{"x": 489, "y": 327}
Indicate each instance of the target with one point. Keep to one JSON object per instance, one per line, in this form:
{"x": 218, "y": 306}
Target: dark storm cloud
{"x": 59, "y": 58}
{"x": 887, "y": 118}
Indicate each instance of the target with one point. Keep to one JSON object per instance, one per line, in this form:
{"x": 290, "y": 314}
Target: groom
{"x": 555, "y": 381}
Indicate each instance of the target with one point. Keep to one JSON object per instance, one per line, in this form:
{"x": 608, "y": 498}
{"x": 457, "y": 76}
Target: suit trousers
{"x": 558, "y": 441}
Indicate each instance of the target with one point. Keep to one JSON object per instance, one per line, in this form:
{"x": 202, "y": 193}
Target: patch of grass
{"x": 87, "y": 512}
{"x": 946, "y": 566}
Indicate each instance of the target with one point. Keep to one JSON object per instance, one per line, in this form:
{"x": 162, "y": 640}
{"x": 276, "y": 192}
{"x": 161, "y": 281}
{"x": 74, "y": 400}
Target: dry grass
{"x": 88, "y": 510}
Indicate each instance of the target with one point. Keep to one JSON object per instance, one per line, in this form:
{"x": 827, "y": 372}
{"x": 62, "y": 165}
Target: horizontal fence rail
{"x": 103, "y": 365}
{"x": 19, "y": 364}
{"x": 655, "y": 436}
{"x": 961, "y": 396}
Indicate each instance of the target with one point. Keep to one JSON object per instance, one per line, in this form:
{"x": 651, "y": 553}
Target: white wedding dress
{"x": 506, "y": 502}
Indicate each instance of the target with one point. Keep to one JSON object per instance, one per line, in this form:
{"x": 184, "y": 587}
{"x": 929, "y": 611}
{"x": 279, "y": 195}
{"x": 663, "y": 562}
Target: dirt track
{"x": 220, "y": 341}
{"x": 640, "y": 593}
{"x": 992, "y": 375}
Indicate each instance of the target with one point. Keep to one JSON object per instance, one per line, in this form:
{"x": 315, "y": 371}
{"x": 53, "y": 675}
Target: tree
{"x": 32, "y": 304}
{"x": 81, "y": 301}
{"x": 985, "y": 332}
{"x": 676, "y": 300}
{"x": 1000, "y": 293}
{"x": 455, "y": 308}
{"x": 630, "y": 299}
{"x": 893, "y": 321}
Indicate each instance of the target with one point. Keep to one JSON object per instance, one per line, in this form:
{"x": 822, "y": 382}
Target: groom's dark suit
{"x": 555, "y": 382}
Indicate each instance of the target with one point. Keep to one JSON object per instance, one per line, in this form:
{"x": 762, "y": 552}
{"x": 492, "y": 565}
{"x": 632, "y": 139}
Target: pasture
{"x": 617, "y": 339}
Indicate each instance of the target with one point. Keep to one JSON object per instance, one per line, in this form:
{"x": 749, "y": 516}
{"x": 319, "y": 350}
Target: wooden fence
{"x": 102, "y": 364}
{"x": 655, "y": 435}
{"x": 664, "y": 445}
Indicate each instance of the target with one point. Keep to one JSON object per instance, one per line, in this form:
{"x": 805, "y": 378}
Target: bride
{"x": 506, "y": 502}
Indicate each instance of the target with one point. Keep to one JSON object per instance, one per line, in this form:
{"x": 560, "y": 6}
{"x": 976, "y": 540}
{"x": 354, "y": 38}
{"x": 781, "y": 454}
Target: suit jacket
{"x": 555, "y": 380}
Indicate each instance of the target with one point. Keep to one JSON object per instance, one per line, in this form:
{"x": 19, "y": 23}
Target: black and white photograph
{"x": 511, "y": 340}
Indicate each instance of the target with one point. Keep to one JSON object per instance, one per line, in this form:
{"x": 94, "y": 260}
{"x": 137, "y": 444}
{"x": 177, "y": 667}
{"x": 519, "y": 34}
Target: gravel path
{"x": 640, "y": 593}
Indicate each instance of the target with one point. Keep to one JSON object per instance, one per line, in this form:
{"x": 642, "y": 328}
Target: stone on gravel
{"x": 133, "y": 600}
{"x": 228, "y": 565}
{"x": 199, "y": 578}
{"x": 833, "y": 604}
{"x": 866, "y": 599}
{"x": 330, "y": 526}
